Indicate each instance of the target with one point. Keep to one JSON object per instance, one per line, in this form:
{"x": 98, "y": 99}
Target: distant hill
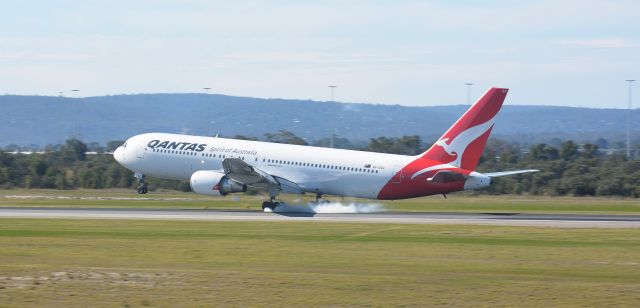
{"x": 42, "y": 120}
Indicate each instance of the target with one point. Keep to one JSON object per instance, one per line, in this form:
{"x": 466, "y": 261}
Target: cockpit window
{"x": 124, "y": 145}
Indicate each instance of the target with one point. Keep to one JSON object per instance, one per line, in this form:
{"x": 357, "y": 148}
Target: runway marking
{"x": 534, "y": 220}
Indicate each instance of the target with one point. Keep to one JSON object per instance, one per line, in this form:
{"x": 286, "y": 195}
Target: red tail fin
{"x": 463, "y": 143}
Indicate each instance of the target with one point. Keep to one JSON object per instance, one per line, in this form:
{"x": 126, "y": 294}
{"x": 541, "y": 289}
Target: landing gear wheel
{"x": 266, "y": 205}
{"x": 319, "y": 199}
{"x": 269, "y": 205}
{"x": 143, "y": 190}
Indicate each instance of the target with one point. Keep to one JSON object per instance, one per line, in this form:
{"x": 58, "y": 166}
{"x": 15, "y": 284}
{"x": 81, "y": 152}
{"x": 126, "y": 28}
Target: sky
{"x": 416, "y": 53}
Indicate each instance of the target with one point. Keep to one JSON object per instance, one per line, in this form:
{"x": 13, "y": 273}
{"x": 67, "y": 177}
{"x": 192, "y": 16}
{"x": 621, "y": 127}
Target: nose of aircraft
{"x": 118, "y": 154}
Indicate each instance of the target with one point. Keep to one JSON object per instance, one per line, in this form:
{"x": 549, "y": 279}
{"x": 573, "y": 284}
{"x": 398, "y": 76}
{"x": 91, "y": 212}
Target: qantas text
{"x": 182, "y": 146}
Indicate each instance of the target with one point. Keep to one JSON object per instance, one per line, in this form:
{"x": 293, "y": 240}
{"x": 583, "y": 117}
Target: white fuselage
{"x": 447, "y": 166}
{"x": 314, "y": 169}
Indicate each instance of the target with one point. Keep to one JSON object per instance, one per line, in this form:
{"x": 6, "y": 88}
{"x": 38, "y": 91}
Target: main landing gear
{"x": 271, "y": 205}
{"x": 142, "y": 188}
{"x": 319, "y": 199}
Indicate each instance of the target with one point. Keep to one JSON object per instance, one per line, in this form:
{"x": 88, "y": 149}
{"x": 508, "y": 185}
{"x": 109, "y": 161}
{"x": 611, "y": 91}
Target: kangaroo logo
{"x": 458, "y": 145}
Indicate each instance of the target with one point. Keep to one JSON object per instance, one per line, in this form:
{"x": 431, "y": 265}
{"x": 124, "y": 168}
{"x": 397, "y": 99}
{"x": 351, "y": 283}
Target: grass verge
{"x": 71, "y": 263}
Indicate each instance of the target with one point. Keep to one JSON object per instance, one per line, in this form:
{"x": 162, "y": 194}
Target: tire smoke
{"x": 329, "y": 208}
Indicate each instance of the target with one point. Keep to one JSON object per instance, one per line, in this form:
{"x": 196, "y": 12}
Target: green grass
{"x": 81, "y": 263}
{"x": 455, "y": 202}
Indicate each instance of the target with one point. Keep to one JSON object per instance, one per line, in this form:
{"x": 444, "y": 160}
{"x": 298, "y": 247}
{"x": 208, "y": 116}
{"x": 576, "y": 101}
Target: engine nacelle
{"x": 477, "y": 180}
{"x": 213, "y": 183}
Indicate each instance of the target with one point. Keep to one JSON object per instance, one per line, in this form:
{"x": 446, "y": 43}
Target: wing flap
{"x": 239, "y": 171}
{"x": 288, "y": 186}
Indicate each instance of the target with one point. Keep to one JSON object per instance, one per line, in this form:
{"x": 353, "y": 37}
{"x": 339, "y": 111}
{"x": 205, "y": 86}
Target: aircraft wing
{"x": 239, "y": 171}
{"x": 504, "y": 173}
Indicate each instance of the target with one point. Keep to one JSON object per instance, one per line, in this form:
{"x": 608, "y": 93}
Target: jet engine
{"x": 477, "y": 180}
{"x": 213, "y": 183}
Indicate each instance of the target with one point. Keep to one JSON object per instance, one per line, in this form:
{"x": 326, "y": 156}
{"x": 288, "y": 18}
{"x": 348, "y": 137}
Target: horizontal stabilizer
{"x": 504, "y": 173}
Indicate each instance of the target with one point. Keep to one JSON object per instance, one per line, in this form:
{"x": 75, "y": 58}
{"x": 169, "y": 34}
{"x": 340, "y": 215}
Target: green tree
{"x": 113, "y": 145}
{"x": 568, "y": 150}
{"x": 285, "y": 136}
{"x": 338, "y": 142}
{"x": 407, "y": 145}
{"x": 74, "y": 149}
{"x": 542, "y": 152}
{"x": 242, "y": 137}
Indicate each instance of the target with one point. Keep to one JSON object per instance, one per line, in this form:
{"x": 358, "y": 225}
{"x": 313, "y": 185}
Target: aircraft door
{"x": 141, "y": 150}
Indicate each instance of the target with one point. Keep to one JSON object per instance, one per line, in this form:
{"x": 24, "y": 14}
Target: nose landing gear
{"x": 142, "y": 188}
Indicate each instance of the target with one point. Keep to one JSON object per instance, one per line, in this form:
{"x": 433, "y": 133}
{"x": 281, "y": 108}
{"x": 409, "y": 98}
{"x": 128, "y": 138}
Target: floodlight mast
{"x": 333, "y": 130}
{"x": 60, "y": 117}
{"x": 469, "y": 84}
{"x": 629, "y": 114}
{"x": 75, "y": 130}
{"x": 208, "y": 113}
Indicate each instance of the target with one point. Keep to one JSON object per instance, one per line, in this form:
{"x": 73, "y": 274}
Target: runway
{"x": 495, "y": 219}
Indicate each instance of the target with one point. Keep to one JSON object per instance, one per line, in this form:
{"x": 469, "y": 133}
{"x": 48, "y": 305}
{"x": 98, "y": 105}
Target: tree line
{"x": 567, "y": 169}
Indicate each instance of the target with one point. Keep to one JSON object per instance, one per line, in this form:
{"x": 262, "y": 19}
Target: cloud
{"x": 613, "y": 42}
{"x": 381, "y": 52}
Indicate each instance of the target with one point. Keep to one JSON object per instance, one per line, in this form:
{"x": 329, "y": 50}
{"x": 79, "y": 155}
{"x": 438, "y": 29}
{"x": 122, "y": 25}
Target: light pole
{"x": 630, "y": 81}
{"x": 208, "y": 113}
{"x": 333, "y": 132}
{"x": 469, "y": 84}
{"x": 75, "y": 132}
{"x": 60, "y": 118}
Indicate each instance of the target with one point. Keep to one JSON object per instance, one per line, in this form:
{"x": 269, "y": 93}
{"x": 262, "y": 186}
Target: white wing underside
{"x": 239, "y": 171}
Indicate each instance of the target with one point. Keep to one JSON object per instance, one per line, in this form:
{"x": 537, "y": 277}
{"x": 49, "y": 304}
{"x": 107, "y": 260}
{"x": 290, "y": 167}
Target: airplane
{"x": 219, "y": 166}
